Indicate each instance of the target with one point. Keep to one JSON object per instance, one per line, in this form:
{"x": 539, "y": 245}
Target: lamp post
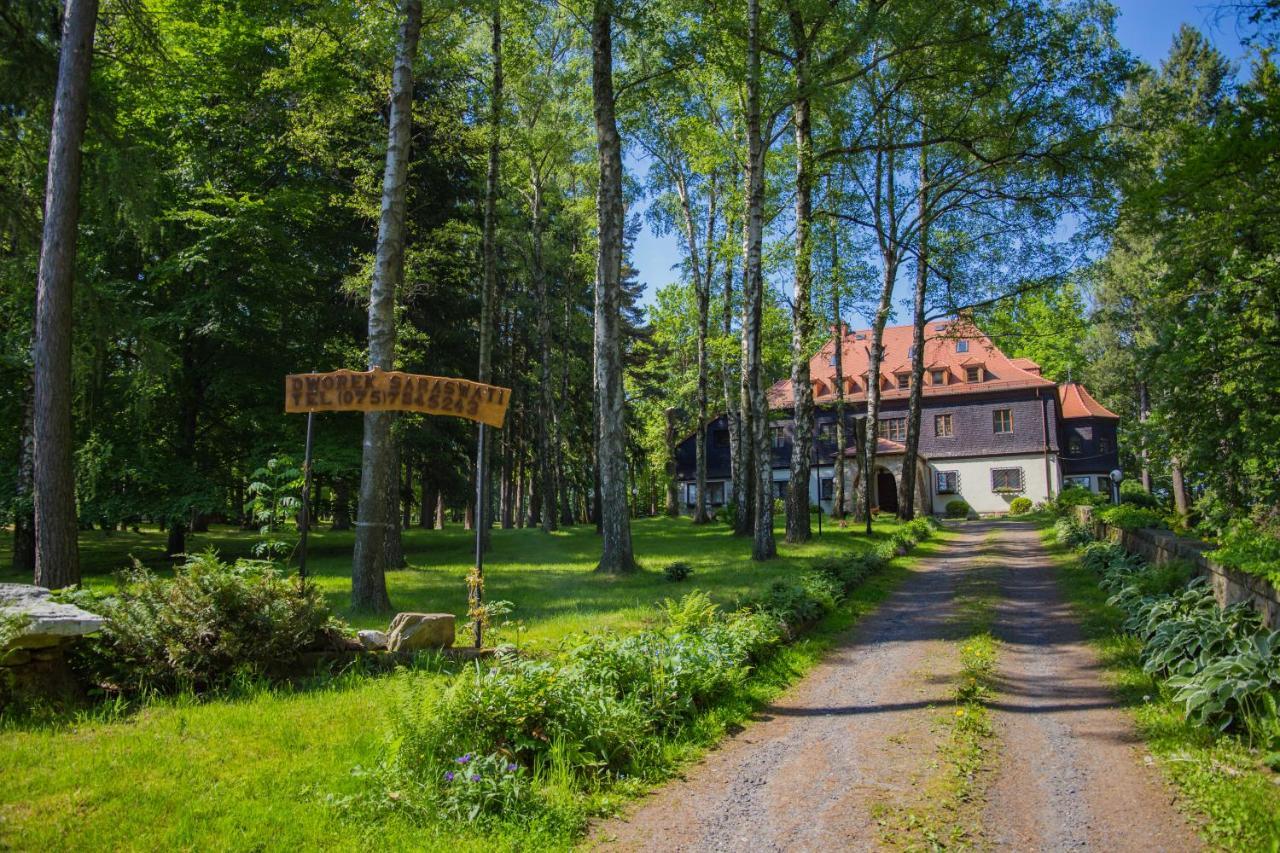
{"x": 1116, "y": 476}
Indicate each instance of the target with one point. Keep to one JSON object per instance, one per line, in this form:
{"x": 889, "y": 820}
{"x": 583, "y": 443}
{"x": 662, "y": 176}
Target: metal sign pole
{"x": 306, "y": 502}
{"x": 477, "y": 583}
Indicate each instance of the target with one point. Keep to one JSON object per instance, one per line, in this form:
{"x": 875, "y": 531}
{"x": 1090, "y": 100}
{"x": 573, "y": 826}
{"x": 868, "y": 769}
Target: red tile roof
{"x": 940, "y": 353}
{"x": 1077, "y": 402}
{"x": 1026, "y": 364}
{"x": 884, "y": 447}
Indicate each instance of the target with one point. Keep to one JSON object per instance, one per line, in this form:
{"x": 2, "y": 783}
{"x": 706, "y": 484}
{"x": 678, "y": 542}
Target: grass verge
{"x": 1220, "y": 779}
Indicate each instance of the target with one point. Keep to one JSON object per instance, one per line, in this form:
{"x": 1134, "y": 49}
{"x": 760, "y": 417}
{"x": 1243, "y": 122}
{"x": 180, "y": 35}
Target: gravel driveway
{"x": 859, "y": 733}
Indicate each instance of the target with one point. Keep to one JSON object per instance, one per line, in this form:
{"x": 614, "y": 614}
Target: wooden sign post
{"x": 393, "y": 391}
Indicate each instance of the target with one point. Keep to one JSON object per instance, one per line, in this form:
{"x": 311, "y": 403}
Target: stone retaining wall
{"x": 1161, "y": 546}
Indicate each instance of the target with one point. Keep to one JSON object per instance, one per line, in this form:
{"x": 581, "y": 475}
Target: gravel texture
{"x": 859, "y": 733}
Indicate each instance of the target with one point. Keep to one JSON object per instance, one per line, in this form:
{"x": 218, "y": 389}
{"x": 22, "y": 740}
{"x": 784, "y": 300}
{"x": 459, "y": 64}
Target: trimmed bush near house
{"x": 957, "y": 508}
{"x": 1020, "y": 506}
{"x": 212, "y": 621}
{"x": 1131, "y": 517}
{"x": 1131, "y": 492}
{"x": 1075, "y": 496}
{"x": 677, "y": 571}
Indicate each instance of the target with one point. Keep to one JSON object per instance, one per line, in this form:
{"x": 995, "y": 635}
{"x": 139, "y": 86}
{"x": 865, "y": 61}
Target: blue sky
{"x": 1144, "y": 27}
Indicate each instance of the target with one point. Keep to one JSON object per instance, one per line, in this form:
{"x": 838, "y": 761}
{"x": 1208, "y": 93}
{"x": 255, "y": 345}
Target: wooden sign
{"x": 393, "y": 391}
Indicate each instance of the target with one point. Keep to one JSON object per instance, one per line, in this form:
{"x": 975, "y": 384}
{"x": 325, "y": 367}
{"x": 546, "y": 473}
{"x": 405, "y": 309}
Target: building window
{"x": 1104, "y": 485}
{"x": 973, "y": 374}
{"x": 942, "y": 426}
{"x": 780, "y": 489}
{"x": 895, "y": 429}
{"x": 715, "y": 494}
{"x": 827, "y": 433}
{"x": 962, "y": 346}
{"x": 1004, "y": 480}
{"x": 1080, "y": 482}
{"x": 1074, "y": 446}
{"x": 827, "y": 488}
{"x": 779, "y": 435}
{"x": 1104, "y": 445}
{"x": 904, "y": 380}
{"x": 947, "y": 482}
{"x": 938, "y": 377}
{"x": 1002, "y": 421}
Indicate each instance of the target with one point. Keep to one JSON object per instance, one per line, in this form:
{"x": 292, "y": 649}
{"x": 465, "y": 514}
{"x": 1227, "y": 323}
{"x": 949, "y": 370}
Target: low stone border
{"x": 1160, "y": 546}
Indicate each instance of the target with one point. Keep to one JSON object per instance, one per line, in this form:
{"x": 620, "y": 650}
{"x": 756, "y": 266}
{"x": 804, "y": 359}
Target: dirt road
{"x": 860, "y": 734}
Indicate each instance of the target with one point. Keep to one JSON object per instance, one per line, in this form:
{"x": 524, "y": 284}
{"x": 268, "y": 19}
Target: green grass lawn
{"x": 255, "y": 771}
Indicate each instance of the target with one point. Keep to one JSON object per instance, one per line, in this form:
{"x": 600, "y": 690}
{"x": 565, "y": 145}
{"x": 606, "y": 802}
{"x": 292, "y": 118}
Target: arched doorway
{"x": 886, "y": 491}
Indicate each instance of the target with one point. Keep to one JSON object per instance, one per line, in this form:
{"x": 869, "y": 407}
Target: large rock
{"x": 372, "y": 640}
{"x": 412, "y": 631}
{"x": 46, "y": 622}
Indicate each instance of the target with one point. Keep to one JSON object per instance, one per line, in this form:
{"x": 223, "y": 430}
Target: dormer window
{"x": 938, "y": 377}
{"x": 1074, "y": 446}
{"x": 819, "y": 389}
{"x": 962, "y": 346}
{"x": 904, "y": 380}
{"x": 973, "y": 374}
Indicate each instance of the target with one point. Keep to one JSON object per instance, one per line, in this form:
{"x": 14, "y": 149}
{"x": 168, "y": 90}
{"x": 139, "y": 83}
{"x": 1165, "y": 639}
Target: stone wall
{"x": 1161, "y": 546}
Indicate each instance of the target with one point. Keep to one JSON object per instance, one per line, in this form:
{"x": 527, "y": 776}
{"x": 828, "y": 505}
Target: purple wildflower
{"x": 475, "y": 777}
{"x": 512, "y": 768}
{"x": 448, "y": 776}
{"x": 464, "y": 759}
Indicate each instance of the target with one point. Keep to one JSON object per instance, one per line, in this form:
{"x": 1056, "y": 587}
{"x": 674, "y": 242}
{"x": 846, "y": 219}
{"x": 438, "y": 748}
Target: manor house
{"x": 991, "y": 429}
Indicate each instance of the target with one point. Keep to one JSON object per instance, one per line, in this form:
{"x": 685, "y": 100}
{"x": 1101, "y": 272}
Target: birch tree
{"x": 377, "y": 476}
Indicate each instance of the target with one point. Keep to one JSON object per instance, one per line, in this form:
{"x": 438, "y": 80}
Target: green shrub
{"x": 1071, "y": 533}
{"x": 210, "y": 622}
{"x": 677, "y": 571}
{"x": 490, "y": 785}
{"x": 1073, "y": 496}
{"x": 1020, "y": 506}
{"x": 958, "y": 508}
{"x": 1249, "y": 548}
{"x": 1131, "y": 517}
{"x": 1131, "y": 492}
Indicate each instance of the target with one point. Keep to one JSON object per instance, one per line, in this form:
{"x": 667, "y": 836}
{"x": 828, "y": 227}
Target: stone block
{"x": 47, "y": 622}
{"x": 372, "y": 640}
{"x": 413, "y": 631}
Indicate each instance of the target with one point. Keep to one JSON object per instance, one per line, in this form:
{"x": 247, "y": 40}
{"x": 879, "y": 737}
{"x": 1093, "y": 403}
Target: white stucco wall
{"x": 975, "y": 480}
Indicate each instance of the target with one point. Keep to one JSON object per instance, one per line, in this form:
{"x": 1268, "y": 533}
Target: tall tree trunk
{"x": 406, "y": 496}
{"x": 615, "y": 519}
{"x": 701, "y": 270}
{"x": 438, "y": 523}
{"x": 801, "y": 311}
{"x": 1180, "y": 505}
{"x": 427, "y": 502}
{"x": 907, "y": 488}
{"x": 545, "y": 460}
{"x": 393, "y": 543}
{"x": 673, "y": 497}
{"x": 369, "y": 561}
{"x": 887, "y": 234}
{"x": 341, "y": 504}
{"x": 489, "y": 295}
{"x": 1144, "y": 410}
{"x": 763, "y": 546}
{"x": 57, "y": 557}
{"x": 837, "y": 325}
{"x": 730, "y": 379}
{"x": 746, "y": 515}
{"x": 24, "y": 517}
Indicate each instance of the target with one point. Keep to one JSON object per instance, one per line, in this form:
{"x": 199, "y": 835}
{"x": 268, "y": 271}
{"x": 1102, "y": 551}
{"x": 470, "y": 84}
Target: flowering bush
{"x": 1020, "y": 506}
{"x": 478, "y": 786}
